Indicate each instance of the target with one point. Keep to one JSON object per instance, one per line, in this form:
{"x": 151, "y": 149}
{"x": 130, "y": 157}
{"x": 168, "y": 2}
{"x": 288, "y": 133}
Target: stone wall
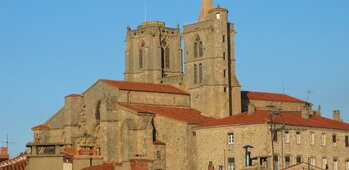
{"x": 212, "y": 145}
{"x": 164, "y": 99}
{"x": 174, "y": 134}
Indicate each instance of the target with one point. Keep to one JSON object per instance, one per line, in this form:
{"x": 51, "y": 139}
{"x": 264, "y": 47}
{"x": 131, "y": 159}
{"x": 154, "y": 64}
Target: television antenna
{"x": 309, "y": 92}
{"x": 7, "y": 141}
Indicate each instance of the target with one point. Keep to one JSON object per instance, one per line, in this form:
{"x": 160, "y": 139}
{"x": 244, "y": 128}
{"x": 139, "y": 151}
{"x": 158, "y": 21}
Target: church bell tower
{"x": 153, "y": 52}
{"x": 210, "y": 63}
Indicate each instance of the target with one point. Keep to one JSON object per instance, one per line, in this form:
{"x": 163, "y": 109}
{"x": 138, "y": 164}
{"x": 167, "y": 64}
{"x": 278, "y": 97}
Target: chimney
{"x": 318, "y": 111}
{"x": 337, "y": 115}
{"x": 4, "y": 150}
{"x": 251, "y": 109}
{"x": 306, "y": 111}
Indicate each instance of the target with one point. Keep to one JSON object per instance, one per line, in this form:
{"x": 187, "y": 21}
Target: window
{"x": 167, "y": 57}
{"x": 223, "y": 55}
{"x": 323, "y": 139}
{"x": 347, "y": 165}
{"x": 231, "y": 138}
{"x": 224, "y": 73}
{"x": 298, "y": 137}
{"x": 201, "y": 49}
{"x": 335, "y": 164}
{"x": 276, "y": 163}
{"x": 218, "y": 16}
{"x": 287, "y": 137}
{"x": 324, "y": 163}
{"x": 334, "y": 140}
{"x": 346, "y": 141}
{"x": 231, "y": 163}
{"x": 287, "y": 161}
{"x": 198, "y": 47}
{"x": 299, "y": 159}
{"x": 312, "y": 161}
{"x": 140, "y": 59}
{"x": 45, "y": 150}
{"x": 195, "y": 74}
{"x": 200, "y": 73}
{"x": 98, "y": 111}
{"x": 275, "y": 136}
{"x": 312, "y": 138}
{"x": 195, "y": 50}
{"x": 223, "y": 39}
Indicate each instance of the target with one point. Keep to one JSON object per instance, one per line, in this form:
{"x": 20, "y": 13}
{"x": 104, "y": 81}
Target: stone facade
{"x": 259, "y": 136}
{"x": 155, "y": 119}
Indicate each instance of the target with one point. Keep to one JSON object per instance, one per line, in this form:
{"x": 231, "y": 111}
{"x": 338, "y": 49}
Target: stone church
{"x": 162, "y": 118}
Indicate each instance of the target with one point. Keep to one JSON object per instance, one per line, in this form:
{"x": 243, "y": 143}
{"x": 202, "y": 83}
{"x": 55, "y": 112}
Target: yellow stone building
{"x": 160, "y": 118}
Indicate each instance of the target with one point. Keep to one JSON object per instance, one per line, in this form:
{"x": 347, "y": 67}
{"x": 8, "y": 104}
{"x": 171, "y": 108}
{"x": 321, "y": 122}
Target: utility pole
{"x": 272, "y": 111}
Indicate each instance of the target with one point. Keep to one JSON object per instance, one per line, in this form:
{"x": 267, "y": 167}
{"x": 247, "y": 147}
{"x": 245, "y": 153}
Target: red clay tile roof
{"x": 146, "y": 87}
{"x": 269, "y": 96}
{"x": 40, "y": 127}
{"x": 18, "y": 163}
{"x": 104, "y": 166}
{"x": 185, "y": 114}
{"x": 287, "y": 118}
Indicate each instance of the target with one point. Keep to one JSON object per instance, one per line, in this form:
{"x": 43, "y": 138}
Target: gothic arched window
{"x": 198, "y": 47}
{"x": 195, "y": 50}
{"x": 200, "y": 73}
{"x": 167, "y": 57}
{"x": 141, "y": 55}
{"x": 98, "y": 111}
{"x": 195, "y": 74}
{"x": 201, "y": 49}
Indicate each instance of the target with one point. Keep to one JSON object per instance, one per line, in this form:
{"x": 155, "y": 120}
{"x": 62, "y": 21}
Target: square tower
{"x": 210, "y": 63}
{"x": 153, "y": 52}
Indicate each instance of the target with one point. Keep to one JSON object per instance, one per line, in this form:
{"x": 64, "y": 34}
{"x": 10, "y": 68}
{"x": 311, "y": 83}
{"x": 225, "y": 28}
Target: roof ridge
{"x": 144, "y": 87}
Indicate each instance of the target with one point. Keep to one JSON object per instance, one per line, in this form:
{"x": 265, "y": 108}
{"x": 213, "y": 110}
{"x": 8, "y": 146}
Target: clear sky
{"x": 49, "y": 49}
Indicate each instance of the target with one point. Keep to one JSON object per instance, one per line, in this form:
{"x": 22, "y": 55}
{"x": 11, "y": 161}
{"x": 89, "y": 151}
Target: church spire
{"x": 207, "y": 5}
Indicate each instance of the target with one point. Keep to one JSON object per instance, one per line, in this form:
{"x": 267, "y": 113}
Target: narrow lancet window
{"x": 140, "y": 59}
{"x": 200, "y": 73}
{"x": 167, "y": 57}
{"x": 195, "y": 74}
{"x": 195, "y": 50}
{"x": 201, "y": 49}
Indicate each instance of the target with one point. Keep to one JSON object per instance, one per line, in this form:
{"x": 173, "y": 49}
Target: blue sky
{"x": 49, "y": 49}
